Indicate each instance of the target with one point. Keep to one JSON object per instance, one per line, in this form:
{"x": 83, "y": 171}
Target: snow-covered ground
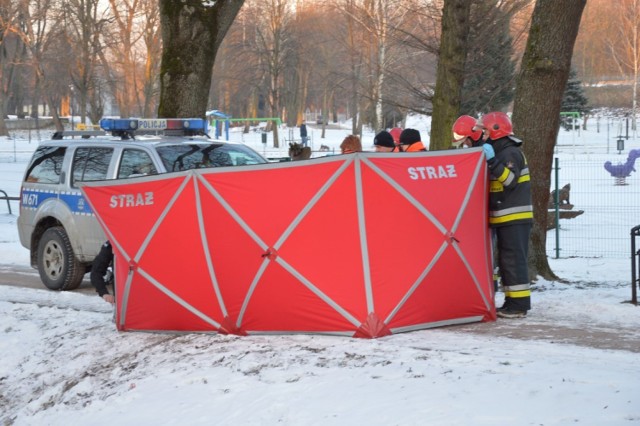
{"x": 574, "y": 359}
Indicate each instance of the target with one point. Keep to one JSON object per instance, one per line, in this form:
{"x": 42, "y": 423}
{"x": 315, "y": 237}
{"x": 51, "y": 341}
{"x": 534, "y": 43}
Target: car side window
{"x": 90, "y": 164}
{"x": 46, "y": 165}
{"x": 135, "y": 162}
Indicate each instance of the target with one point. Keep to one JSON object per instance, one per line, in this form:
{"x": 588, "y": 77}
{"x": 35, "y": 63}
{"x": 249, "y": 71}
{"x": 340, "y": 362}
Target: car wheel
{"x": 58, "y": 267}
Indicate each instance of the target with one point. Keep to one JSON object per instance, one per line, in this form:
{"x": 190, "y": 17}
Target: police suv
{"x": 56, "y": 223}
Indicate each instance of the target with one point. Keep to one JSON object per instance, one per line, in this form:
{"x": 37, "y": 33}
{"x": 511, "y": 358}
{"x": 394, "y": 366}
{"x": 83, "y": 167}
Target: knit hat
{"x": 409, "y": 136}
{"x": 385, "y": 139}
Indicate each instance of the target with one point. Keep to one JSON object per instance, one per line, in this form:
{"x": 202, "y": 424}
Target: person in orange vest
{"x": 510, "y": 211}
{"x": 383, "y": 142}
{"x": 410, "y": 141}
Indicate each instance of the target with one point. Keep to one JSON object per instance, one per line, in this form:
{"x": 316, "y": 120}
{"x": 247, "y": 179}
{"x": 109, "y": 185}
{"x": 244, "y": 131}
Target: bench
{"x": 6, "y": 197}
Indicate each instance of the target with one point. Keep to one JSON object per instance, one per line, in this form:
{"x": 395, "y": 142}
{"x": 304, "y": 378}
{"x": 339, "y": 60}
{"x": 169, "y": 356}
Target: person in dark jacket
{"x": 100, "y": 274}
{"x": 303, "y": 134}
{"x": 510, "y": 211}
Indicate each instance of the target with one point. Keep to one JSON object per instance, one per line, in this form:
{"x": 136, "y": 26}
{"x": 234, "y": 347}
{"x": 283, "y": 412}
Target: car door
{"x": 90, "y": 163}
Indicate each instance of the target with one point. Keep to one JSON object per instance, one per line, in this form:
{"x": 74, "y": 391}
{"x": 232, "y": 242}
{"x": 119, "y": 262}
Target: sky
{"x": 573, "y": 359}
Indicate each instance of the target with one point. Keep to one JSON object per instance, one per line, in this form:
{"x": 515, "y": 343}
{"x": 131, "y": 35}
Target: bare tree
{"x": 37, "y": 35}
{"x": 151, "y": 58}
{"x": 373, "y": 16}
{"x": 624, "y": 46}
{"x": 238, "y": 85}
{"x": 370, "y": 24}
{"x": 273, "y": 43}
{"x": 122, "y": 53}
{"x": 192, "y": 32}
{"x": 355, "y": 70}
{"x": 308, "y": 31}
{"x": 84, "y": 22}
{"x": 7, "y": 16}
{"x": 536, "y": 114}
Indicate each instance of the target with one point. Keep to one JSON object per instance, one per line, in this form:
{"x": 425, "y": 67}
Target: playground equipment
{"x": 621, "y": 171}
{"x": 218, "y": 120}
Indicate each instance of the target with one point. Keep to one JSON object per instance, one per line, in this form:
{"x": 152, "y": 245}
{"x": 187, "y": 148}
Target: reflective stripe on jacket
{"x": 510, "y": 186}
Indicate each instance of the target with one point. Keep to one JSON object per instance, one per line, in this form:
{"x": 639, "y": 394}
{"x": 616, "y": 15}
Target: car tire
{"x": 57, "y": 265}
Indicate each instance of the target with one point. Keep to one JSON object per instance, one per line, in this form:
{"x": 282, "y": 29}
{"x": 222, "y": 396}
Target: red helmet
{"x": 465, "y": 127}
{"x": 498, "y": 124}
{"x": 395, "y": 134}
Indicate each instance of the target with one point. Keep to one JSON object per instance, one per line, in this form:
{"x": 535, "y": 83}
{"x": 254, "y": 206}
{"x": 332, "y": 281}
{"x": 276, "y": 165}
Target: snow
{"x": 574, "y": 359}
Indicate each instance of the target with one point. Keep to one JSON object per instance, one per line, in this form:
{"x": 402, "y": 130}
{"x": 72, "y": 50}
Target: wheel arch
{"x": 40, "y": 228}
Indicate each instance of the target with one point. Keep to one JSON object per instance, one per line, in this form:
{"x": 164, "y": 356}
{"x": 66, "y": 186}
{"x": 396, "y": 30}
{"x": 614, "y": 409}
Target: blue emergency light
{"x": 118, "y": 124}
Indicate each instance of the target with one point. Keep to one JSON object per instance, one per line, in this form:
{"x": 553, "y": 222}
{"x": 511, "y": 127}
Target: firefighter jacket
{"x": 510, "y": 185}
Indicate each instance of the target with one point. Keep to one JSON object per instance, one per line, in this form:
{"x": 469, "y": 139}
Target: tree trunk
{"x": 192, "y": 32}
{"x": 53, "y": 110}
{"x": 35, "y": 100}
{"x": 381, "y": 24}
{"x": 3, "y": 126}
{"x": 450, "y": 72}
{"x": 303, "y": 91}
{"x": 536, "y": 114}
{"x": 274, "y": 100}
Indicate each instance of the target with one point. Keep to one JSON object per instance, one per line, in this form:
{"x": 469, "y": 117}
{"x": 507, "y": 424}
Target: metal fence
{"x": 610, "y": 205}
{"x": 635, "y": 264}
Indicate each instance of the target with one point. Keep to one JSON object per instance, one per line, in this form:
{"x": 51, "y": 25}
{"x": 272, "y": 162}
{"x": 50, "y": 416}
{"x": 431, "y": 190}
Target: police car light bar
{"x": 111, "y": 124}
{"x": 186, "y": 126}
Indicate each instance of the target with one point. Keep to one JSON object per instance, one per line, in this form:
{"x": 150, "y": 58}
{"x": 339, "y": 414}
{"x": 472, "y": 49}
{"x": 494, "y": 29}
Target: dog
{"x": 299, "y": 152}
{"x": 324, "y": 148}
{"x": 563, "y": 196}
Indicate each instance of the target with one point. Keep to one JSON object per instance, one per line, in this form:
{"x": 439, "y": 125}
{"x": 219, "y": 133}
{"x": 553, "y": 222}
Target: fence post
{"x": 556, "y": 203}
{"x": 635, "y": 265}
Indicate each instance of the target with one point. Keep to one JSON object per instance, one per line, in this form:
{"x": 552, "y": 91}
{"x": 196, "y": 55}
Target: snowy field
{"x": 574, "y": 359}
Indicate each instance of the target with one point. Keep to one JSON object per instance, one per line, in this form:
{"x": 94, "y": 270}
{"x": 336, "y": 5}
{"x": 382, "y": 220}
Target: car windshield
{"x": 186, "y": 156}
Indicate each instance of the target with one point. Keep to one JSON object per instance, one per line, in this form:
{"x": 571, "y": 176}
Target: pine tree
{"x": 574, "y": 99}
{"x": 489, "y": 68}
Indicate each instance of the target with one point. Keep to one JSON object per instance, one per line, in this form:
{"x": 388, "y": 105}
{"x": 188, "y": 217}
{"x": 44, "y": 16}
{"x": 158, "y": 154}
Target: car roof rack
{"x": 85, "y": 134}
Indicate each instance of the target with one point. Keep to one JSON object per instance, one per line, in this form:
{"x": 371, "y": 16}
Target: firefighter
{"x": 510, "y": 211}
{"x": 466, "y": 132}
